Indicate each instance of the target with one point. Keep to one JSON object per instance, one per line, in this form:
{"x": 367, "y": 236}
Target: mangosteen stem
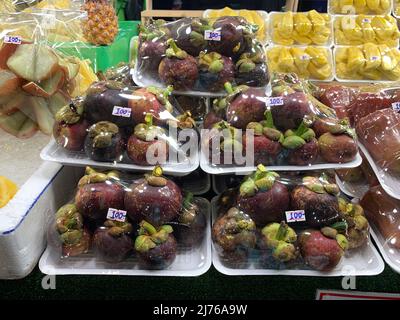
{"x": 175, "y": 51}
{"x": 228, "y": 87}
{"x": 301, "y": 129}
{"x": 188, "y": 200}
{"x": 282, "y": 231}
{"x": 148, "y": 227}
{"x": 157, "y": 171}
{"x": 149, "y": 119}
{"x": 270, "y": 119}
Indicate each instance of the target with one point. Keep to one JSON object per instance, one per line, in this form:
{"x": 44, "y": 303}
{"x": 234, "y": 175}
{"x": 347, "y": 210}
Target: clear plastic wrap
{"x": 338, "y": 97}
{"x": 293, "y": 222}
{"x": 359, "y": 7}
{"x": 199, "y": 55}
{"x": 289, "y": 130}
{"x": 28, "y": 5}
{"x": 310, "y": 62}
{"x": 119, "y": 125}
{"x": 382, "y": 212}
{"x": 142, "y": 222}
{"x": 396, "y": 8}
{"x": 38, "y": 75}
{"x": 360, "y": 29}
{"x": 301, "y": 28}
{"x": 367, "y": 62}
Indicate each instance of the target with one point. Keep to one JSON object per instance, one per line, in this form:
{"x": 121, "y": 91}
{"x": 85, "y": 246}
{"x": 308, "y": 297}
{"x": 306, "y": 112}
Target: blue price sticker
{"x": 13, "y": 39}
{"x": 295, "y": 216}
{"x": 396, "y": 106}
{"x": 116, "y": 215}
{"x": 121, "y": 112}
{"x": 212, "y": 35}
{"x": 275, "y": 101}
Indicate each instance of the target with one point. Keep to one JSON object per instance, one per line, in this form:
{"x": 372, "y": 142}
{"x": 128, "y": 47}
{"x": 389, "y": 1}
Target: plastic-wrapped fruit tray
{"x": 390, "y": 255}
{"x": 365, "y": 261}
{"x": 188, "y": 263}
{"x": 352, "y": 189}
{"x": 53, "y": 152}
{"x": 232, "y": 169}
{"x": 389, "y": 182}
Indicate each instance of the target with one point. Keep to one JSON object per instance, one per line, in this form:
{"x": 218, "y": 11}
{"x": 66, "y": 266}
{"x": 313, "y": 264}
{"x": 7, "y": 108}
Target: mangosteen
{"x": 151, "y": 100}
{"x": 332, "y": 125}
{"x": 318, "y": 198}
{"x": 263, "y": 198}
{"x": 244, "y": 105}
{"x": 74, "y": 237}
{"x": 216, "y": 114}
{"x": 70, "y": 128}
{"x": 214, "y": 71}
{"x": 98, "y": 192}
{"x": 104, "y": 142}
{"x": 338, "y": 148}
{"x": 301, "y": 145}
{"x": 154, "y": 198}
{"x": 191, "y": 224}
{"x": 251, "y": 69}
{"x": 156, "y": 247}
{"x": 148, "y": 145}
{"x": 322, "y": 249}
{"x": 234, "y": 33}
{"x": 100, "y": 100}
{"x": 120, "y": 73}
{"x": 178, "y": 68}
{"x": 234, "y": 236}
{"x": 113, "y": 242}
{"x": 189, "y": 34}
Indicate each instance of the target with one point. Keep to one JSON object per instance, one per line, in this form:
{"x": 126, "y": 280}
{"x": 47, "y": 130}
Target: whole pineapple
{"x": 101, "y": 26}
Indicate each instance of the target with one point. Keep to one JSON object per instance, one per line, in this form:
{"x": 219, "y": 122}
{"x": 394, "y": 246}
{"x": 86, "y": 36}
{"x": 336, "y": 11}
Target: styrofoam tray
{"x": 356, "y": 80}
{"x": 211, "y": 169}
{"x": 340, "y": 16}
{"x": 389, "y": 182}
{"x": 390, "y": 255}
{"x": 270, "y": 30}
{"x": 352, "y": 189}
{"x": 365, "y": 261}
{"x": 188, "y": 263}
{"x": 53, "y": 152}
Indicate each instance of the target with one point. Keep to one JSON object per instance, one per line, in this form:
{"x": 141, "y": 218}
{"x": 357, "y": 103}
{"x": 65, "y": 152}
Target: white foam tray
{"x": 53, "y": 152}
{"x": 390, "y": 255}
{"x": 216, "y": 169}
{"x": 389, "y": 182}
{"x": 365, "y": 261}
{"x": 352, "y": 189}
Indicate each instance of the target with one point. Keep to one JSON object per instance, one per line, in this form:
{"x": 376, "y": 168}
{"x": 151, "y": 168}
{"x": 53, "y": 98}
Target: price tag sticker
{"x": 304, "y": 57}
{"x": 396, "y": 106}
{"x": 212, "y": 35}
{"x": 366, "y": 20}
{"x": 374, "y": 58}
{"x": 13, "y": 39}
{"x": 295, "y": 216}
{"x": 116, "y": 215}
{"x": 275, "y": 101}
{"x": 121, "y": 112}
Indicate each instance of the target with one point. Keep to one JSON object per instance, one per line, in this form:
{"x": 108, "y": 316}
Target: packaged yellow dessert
{"x": 8, "y": 189}
{"x": 359, "y": 6}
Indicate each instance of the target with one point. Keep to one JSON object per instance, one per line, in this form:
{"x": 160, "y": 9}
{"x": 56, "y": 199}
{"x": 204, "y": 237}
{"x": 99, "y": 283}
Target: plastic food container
{"x": 368, "y": 7}
{"x": 308, "y": 62}
{"x": 360, "y": 29}
{"x": 352, "y": 189}
{"x": 300, "y": 28}
{"x": 396, "y": 8}
{"x": 188, "y": 262}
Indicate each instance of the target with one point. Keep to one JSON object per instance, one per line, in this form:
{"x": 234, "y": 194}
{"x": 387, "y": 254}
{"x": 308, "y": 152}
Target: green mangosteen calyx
{"x": 162, "y": 95}
{"x": 93, "y": 176}
{"x": 320, "y": 185}
{"x": 230, "y": 142}
{"x": 190, "y": 210}
{"x": 280, "y": 238}
{"x": 70, "y": 114}
{"x": 156, "y": 179}
{"x": 102, "y": 133}
{"x": 69, "y": 224}
{"x": 147, "y": 131}
{"x": 333, "y": 233}
{"x": 212, "y": 62}
{"x": 261, "y": 180}
{"x": 185, "y": 121}
{"x": 115, "y": 85}
{"x": 150, "y": 237}
{"x": 117, "y": 228}
{"x": 238, "y": 222}
{"x": 269, "y": 130}
{"x": 199, "y": 26}
{"x": 174, "y": 51}
{"x": 248, "y": 61}
{"x": 298, "y": 138}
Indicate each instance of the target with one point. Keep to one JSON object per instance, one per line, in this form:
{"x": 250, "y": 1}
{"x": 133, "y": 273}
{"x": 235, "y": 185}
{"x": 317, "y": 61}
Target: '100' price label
{"x": 116, "y": 215}
{"x": 396, "y": 106}
{"x": 275, "y": 101}
{"x": 13, "y": 39}
{"x": 121, "y": 112}
{"x": 295, "y": 216}
{"x": 212, "y": 35}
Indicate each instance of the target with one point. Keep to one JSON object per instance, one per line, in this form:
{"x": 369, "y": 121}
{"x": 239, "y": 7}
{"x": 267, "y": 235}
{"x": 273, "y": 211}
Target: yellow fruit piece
{"x": 384, "y": 5}
{"x": 302, "y": 24}
{"x": 372, "y": 56}
{"x": 8, "y": 189}
{"x": 341, "y": 70}
{"x": 394, "y": 74}
{"x": 389, "y": 60}
{"x": 319, "y": 39}
{"x": 355, "y": 59}
{"x": 300, "y": 39}
{"x": 301, "y": 61}
{"x": 317, "y": 20}
{"x": 373, "y": 5}
{"x": 320, "y": 73}
{"x": 285, "y": 26}
{"x": 278, "y": 39}
{"x": 360, "y": 5}
{"x": 286, "y": 61}
{"x": 382, "y": 27}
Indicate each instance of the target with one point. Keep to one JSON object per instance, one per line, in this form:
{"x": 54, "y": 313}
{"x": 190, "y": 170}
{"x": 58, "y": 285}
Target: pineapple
{"x": 7, "y": 6}
{"x": 101, "y": 27}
